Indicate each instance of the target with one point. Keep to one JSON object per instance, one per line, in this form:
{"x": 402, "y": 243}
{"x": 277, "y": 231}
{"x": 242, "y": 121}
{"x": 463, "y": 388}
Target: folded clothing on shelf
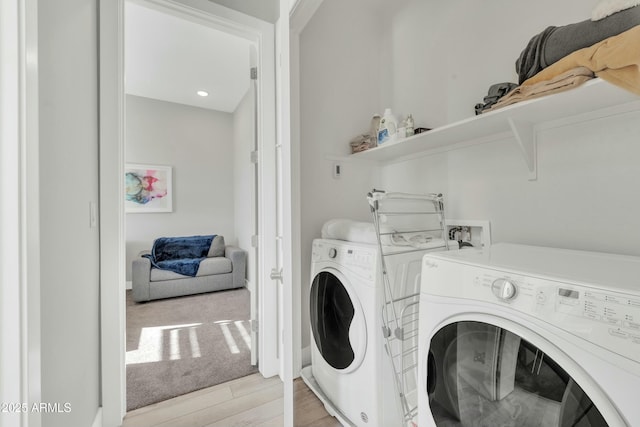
{"x": 616, "y": 60}
{"x": 554, "y": 43}
{"x": 495, "y": 93}
{"x": 564, "y": 81}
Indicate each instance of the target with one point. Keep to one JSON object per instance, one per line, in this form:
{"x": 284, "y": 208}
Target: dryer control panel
{"x": 605, "y": 317}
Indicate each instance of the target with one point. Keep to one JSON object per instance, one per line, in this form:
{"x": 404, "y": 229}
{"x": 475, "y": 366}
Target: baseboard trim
{"x": 129, "y": 284}
{"x": 97, "y": 422}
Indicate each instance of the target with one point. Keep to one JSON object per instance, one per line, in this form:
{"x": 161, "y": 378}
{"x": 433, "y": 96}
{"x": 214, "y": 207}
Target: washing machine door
{"x": 480, "y": 374}
{"x": 337, "y": 321}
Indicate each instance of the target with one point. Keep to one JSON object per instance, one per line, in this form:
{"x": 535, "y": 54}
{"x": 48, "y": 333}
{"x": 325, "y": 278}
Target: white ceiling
{"x": 170, "y": 59}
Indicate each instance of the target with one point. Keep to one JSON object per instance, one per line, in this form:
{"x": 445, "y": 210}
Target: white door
{"x": 267, "y": 324}
{"x": 286, "y": 213}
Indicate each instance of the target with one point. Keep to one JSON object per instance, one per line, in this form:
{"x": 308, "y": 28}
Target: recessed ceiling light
{"x": 202, "y": 93}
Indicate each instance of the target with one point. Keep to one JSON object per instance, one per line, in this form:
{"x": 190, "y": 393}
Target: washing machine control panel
{"x": 504, "y": 289}
{"x": 359, "y": 260}
{"x": 605, "y": 317}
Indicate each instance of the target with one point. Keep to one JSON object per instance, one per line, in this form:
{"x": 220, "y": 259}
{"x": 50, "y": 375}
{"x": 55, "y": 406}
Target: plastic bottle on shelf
{"x": 373, "y": 130}
{"x": 387, "y": 129}
{"x": 410, "y": 125}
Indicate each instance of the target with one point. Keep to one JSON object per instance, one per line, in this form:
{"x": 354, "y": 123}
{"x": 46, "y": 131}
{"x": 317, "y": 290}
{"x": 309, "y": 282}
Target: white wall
{"x": 68, "y": 81}
{"x": 267, "y": 10}
{"x": 439, "y": 58}
{"x": 584, "y": 193}
{"x": 243, "y": 178}
{"x": 198, "y": 144}
{"x": 339, "y": 93}
{"x": 585, "y": 196}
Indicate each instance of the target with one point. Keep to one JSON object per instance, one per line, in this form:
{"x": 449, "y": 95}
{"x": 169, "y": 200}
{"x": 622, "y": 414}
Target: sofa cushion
{"x": 208, "y": 267}
{"x": 217, "y": 265}
{"x": 217, "y": 247}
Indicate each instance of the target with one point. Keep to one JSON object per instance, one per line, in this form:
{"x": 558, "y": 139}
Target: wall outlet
{"x": 471, "y": 233}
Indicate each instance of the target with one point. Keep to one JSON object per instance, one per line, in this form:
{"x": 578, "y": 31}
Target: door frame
{"x": 294, "y": 16}
{"x": 300, "y": 13}
{"x": 20, "y": 334}
{"x": 112, "y": 221}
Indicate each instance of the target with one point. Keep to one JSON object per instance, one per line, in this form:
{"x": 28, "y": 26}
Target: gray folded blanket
{"x": 554, "y": 43}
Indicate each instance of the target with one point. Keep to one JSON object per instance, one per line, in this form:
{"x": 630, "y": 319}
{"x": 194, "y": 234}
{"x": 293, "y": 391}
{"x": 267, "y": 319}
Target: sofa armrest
{"x": 140, "y": 277}
{"x": 238, "y": 259}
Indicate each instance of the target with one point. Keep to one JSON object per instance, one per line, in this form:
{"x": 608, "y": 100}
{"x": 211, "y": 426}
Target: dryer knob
{"x": 332, "y": 253}
{"x": 504, "y": 289}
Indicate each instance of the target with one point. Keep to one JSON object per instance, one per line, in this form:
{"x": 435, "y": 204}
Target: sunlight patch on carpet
{"x": 193, "y": 340}
{"x": 152, "y": 341}
{"x": 151, "y": 344}
{"x": 243, "y": 332}
{"x": 174, "y": 352}
{"x": 231, "y": 343}
{"x": 205, "y": 358}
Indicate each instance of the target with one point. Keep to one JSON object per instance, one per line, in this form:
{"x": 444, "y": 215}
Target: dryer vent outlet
{"x": 469, "y": 233}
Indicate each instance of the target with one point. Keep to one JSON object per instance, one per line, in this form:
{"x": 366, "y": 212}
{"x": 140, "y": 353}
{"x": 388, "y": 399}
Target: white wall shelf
{"x": 520, "y": 121}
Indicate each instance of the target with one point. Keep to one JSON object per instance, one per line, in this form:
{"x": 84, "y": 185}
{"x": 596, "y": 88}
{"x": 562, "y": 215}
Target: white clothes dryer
{"x": 517, "y": 335}
{"x": 350, "y": 371}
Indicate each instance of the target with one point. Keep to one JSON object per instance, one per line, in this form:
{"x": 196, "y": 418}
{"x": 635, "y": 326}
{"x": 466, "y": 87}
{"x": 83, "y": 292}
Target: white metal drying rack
{"x": 400, "y": 309}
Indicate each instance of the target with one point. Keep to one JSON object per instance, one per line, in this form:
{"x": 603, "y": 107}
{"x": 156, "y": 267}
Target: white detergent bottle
{"x": 387, "y": 129}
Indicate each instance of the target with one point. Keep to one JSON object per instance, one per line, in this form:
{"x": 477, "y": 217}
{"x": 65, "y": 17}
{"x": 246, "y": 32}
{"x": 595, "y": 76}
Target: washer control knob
{"x": 504, "y": 289}
{"x": 332, "y": 253}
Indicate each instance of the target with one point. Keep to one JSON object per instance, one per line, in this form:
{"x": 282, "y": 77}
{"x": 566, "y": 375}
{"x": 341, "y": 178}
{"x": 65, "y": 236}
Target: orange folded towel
{"x": 564, "y": 81}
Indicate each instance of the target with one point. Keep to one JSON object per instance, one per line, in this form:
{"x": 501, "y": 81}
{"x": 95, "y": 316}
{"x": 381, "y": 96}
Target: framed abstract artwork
{"x": 147, "y": 188}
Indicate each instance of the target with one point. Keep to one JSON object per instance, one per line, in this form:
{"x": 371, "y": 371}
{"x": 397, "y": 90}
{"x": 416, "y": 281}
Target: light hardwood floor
{"x": 251, "y": 401}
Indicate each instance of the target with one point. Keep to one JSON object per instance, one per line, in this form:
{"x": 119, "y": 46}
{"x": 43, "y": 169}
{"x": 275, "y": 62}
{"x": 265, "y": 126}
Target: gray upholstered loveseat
{"x": 224, "y": 268}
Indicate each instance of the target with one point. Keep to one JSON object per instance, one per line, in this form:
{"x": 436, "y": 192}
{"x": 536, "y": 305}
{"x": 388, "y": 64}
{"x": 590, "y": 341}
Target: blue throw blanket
{"x": 180, "y": 254}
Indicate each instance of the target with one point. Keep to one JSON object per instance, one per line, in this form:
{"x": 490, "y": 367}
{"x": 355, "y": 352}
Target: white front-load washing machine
{"x": 517, "y": 335}
{"x": 350, "y": 371}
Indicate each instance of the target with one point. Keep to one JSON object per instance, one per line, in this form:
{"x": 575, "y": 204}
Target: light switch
{"x": 93, "y": 215}
{"x": 337, "y": 170}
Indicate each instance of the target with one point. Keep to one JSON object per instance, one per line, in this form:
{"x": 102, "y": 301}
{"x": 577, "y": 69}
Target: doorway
{"x": 190, "y": 109}
{"x": 261, "y": 35}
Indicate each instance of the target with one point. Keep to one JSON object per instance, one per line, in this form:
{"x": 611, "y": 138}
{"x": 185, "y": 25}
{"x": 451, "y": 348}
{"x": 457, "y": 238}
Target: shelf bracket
{"x": 525, "y": 136}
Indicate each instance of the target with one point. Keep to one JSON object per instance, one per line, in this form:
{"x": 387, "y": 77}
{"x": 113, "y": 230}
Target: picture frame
{"x": 148, "y": 188}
